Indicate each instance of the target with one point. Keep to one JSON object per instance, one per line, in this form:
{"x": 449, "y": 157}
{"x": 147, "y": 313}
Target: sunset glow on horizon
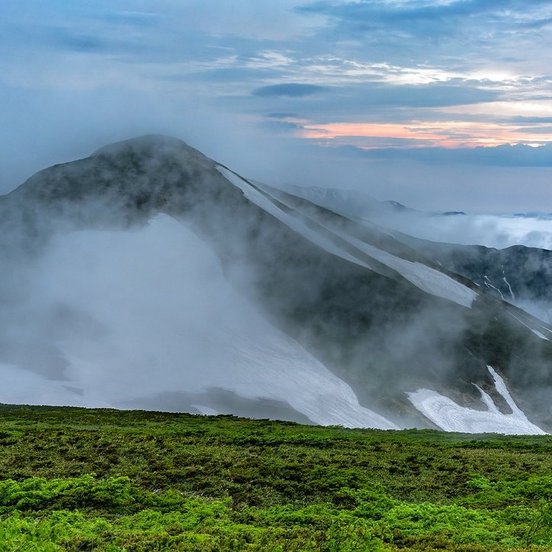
{"x": 442, "y": 134}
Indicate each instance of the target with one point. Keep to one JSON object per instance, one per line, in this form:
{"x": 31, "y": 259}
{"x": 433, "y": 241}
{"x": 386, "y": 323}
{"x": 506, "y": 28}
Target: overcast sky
{"x": 435, "y": 103}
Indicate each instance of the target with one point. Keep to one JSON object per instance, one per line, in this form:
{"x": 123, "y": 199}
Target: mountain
{"x": 231, "y": 296}
{"x": 517, "y": 274}
{"x": 350, "y": 203}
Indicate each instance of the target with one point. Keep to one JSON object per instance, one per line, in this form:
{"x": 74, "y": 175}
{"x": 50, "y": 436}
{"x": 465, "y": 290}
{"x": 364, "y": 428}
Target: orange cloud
{"x": 446, "y": 134}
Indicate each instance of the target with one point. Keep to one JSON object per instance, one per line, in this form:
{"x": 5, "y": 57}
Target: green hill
{"x": 77, "y": 479}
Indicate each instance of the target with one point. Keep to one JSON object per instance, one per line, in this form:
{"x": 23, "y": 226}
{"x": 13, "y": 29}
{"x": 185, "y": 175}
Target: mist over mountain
{"x": 532, "y": 229}
{"x": 510, "y": 267}
{"x": 148, "y": 275}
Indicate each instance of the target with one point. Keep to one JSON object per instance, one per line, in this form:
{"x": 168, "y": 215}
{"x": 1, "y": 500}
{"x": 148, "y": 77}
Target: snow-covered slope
{"x": 152, "y": 313}
{"x": 515, "y": 264}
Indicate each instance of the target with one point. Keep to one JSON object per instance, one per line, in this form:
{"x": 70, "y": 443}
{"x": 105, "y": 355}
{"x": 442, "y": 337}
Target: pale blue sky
{"x": 445, "y": 103}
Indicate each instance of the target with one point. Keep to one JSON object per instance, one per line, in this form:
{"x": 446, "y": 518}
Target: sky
{"x": 438, "y": 104}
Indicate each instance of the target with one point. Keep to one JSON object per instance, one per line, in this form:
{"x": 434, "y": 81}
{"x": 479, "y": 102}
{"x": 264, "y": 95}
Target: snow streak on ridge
{"x": 425, "y": 278}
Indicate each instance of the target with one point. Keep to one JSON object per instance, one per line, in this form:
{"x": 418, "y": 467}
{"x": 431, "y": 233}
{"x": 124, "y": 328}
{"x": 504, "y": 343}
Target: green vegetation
{"x": 83, "y": 480}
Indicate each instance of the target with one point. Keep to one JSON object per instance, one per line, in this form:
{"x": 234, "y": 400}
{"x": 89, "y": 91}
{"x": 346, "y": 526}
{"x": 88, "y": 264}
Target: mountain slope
{"x": 379, "y": 314}
{"x": 517, "y": 274}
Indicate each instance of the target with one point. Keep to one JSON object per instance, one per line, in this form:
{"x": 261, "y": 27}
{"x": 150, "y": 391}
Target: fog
{"x": 239, "y": 141}
{"x": 87, "y": 117}
{"x": 497, "y": 231}
{"x": 146, "y": 318}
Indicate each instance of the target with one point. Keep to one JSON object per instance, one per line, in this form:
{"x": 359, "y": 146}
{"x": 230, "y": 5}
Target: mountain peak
{"x": 145, "y": 144}
{"x": 144, "y": 172}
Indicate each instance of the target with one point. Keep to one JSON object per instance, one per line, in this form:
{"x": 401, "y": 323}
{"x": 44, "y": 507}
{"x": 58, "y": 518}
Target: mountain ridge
{"x": 381, "y": 315}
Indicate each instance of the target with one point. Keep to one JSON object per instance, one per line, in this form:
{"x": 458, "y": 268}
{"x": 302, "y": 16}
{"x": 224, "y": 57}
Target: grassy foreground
{"x": 77, "y": 479}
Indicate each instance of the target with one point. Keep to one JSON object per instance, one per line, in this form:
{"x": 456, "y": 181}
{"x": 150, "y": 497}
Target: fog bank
{"x": 133, "y": 316}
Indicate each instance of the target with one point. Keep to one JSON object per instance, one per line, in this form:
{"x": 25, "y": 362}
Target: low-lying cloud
{"x": 146, "y": 318}
{"x": 497, "y": 231}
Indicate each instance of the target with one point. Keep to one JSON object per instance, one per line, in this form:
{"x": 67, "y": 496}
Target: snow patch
{"x": 505, "y": 280}
{"x": 490, "y": 286}
{"x": 539, "y": 334}
{"x": 450, "y": 416}
{"x": 264, "y": 202}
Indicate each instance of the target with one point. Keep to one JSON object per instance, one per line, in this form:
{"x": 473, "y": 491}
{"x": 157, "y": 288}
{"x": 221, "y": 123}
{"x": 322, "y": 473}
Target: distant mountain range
{"x": 356, "y": 324}
{"x": 517, "y": 274}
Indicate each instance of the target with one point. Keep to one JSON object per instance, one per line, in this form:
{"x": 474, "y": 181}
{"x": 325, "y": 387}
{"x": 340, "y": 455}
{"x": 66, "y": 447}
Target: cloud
{"x": 130, "y": 18}
{"x": 292, "y": 89}
{"x": 498, "y": 231}
{"x": 80, "y": 42}
{"x": 531, "y": 120}
{"x": 439, "y": 16}
{"x": 76, "y": 75}
{"x": 445, "y": 132}
{"x": 506, "y": 155}
{"x": 280, "y": 125}
{"x": 227, "y": 75}
{"x": 461, "y": 33}
{"x": 536, "y": 130}
{"x": 421, "y": 95}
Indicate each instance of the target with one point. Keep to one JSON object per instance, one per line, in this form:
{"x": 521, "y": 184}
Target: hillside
{"x": 149, "y": 263}
{"x": 77, "y": 479}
